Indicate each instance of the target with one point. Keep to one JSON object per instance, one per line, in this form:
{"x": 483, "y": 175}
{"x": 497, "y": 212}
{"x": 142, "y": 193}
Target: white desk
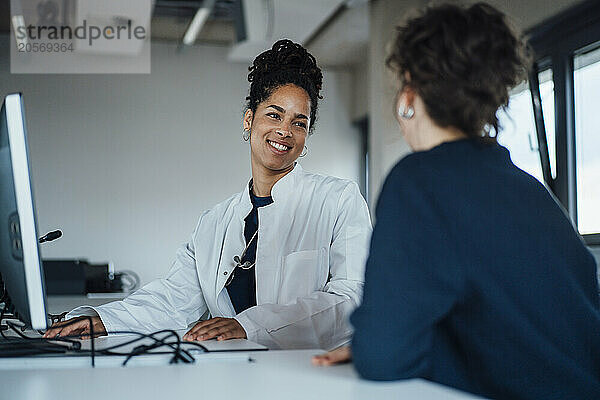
{"x": 273, "y": 375}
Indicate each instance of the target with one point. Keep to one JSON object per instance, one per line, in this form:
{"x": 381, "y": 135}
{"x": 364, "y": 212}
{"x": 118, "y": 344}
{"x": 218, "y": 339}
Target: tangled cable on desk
{"x": 62, "y": 344}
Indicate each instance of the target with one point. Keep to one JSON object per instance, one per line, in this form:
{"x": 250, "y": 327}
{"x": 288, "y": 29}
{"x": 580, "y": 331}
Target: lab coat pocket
{"x": 302, "y": 275}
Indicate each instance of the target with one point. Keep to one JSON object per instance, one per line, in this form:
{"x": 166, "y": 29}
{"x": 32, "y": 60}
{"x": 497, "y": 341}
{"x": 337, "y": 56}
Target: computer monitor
{"x": 20, "y": 265}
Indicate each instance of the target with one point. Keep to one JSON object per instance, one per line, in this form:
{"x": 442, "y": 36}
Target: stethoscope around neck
{"x": 238, "y": 260}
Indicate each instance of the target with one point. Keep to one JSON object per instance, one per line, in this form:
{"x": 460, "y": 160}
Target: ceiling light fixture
{"x": 191, "y": 34}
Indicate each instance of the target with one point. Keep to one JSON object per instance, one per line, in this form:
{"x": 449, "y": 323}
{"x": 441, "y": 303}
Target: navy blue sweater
{"x": 242, "y": 289}
{"x": 476, "y": 279}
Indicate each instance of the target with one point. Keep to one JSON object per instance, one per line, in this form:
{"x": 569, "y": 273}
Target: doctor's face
{"x": 278, "y": 128}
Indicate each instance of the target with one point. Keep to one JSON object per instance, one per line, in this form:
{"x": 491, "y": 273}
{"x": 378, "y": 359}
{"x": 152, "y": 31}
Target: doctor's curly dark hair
{"x": 285, "y": 63}
{"x": 462, "y": 61}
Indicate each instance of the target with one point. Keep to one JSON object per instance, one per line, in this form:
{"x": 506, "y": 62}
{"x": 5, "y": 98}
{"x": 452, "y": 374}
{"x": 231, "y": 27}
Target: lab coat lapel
{"x": 268, "y": 257}
{"x": 273, "y": 228}
{"x": 232, "y": 245}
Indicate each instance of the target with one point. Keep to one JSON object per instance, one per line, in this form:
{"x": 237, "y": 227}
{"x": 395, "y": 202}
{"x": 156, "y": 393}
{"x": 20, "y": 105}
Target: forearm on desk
{"x": 318, "y": 321}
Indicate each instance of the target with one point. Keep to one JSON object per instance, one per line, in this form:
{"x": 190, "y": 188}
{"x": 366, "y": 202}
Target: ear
{"x": 247, "y": 119}
{"x": 406, "y": 97}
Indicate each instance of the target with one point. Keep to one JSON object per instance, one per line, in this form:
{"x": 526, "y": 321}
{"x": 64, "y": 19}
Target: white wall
{"x": 124, "y": 164}
{"x": 361, "y": 90}
{"x": 386, "y": 145}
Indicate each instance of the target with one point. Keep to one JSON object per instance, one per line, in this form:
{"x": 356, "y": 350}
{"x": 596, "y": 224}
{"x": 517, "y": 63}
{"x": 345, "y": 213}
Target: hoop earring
{"x": 406, "y": 112}
{"x": 246, "y": 135}
{"x": 304, "y": 152}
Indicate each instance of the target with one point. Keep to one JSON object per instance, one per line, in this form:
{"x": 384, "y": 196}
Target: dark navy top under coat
{"x": 242, "y": 289}
{"x": 476, "y": 279}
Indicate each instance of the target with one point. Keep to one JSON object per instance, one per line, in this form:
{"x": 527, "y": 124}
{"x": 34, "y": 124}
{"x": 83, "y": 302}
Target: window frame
{"x": 555, "y": 42}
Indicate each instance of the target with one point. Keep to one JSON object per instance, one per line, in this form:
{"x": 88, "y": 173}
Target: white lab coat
{"x": 312, "y": 247}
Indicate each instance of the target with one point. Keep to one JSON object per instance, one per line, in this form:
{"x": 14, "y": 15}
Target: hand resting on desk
{"x": 76, "y": 326}
{"x": 337, "y": 356}
{"x": 219, "y": 328}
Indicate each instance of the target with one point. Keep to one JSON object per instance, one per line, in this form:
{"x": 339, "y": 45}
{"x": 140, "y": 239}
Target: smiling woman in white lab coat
{"x": 280, "y": 263}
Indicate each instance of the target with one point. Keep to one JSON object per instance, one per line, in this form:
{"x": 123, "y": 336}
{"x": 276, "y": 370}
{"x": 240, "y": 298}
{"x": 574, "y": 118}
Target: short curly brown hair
{"x": 285, "y": 63}
{"x": 462, "y": 61}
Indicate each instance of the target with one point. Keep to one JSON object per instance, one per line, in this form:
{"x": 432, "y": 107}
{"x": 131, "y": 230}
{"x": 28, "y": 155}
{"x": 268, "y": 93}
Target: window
{"x": 567, "y": 57}
{"x": 547, "y": 96}
{"x": 518, "y": 132}
{"x": 587, "y": 139}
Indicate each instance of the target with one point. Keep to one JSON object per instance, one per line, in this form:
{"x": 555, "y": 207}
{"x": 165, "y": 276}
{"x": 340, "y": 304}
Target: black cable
{"x": 75, "y": 344}
{"x": 4, "y": 292}
{"x": 4, "y": 307}
{"x": 18, "y": 347}
{"x": 93, "y": 339}
{"x": 24, "y": 345}
{"x": 178, "y": 353}
{"x": 143, "y": 349}
{"x": 5, "y": 300}
{"x": 44, "y": 342}
{"x": 34, "y": 345}
{"x": 48, "y": 341}
{"x": 49, "y": 345}
{"x": 157, "y": 341}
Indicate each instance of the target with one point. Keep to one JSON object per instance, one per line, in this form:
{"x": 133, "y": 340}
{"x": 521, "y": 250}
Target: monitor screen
{"x": 20, "y": 266}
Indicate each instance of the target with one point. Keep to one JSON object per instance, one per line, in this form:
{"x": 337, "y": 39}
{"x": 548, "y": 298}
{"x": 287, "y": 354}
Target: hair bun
{"x": 286, "y": 56}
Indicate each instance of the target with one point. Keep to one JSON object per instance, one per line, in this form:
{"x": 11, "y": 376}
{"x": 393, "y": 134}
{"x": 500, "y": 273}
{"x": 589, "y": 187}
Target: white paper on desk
{"x": 214, "y": 345}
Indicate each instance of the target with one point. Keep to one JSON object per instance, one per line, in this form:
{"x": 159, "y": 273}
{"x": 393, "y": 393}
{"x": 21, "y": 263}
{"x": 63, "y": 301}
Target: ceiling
{"x": 171, "y": 18}
{"x": 335, "y": 31}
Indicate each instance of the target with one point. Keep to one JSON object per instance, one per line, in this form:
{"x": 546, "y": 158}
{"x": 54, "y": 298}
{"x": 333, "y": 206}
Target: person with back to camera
{"x": 487, "y": 285}
{"x": 280, "y": 263}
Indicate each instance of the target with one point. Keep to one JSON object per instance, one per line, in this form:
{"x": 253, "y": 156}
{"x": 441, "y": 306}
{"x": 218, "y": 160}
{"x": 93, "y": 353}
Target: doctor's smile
{"x": 279, "y": 148}
{"x": 236, "y": 278}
